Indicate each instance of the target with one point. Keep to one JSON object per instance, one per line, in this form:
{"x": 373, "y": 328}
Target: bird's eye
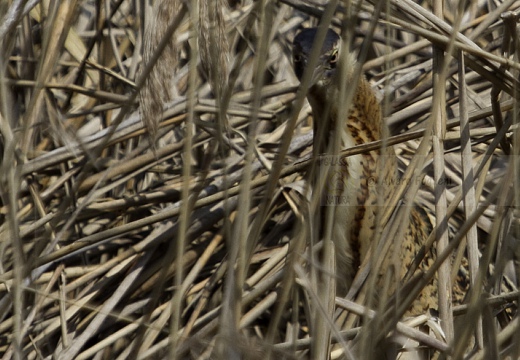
{"x": 297, "y": 58}
{"x": 333, "y": 59}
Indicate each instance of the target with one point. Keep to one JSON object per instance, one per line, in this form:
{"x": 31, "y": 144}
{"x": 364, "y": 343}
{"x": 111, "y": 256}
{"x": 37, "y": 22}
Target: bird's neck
{"x": 327, "y": 107}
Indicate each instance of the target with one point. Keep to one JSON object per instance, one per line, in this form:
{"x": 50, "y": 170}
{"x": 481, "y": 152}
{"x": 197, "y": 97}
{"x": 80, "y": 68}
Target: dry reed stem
{"x": 109, "y": 249}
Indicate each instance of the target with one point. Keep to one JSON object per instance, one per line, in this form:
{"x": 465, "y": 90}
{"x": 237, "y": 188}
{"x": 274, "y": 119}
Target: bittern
{"x": 366, "y": 177}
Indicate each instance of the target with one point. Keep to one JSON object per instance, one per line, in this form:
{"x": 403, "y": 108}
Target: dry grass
{"x": 111, "y": 249}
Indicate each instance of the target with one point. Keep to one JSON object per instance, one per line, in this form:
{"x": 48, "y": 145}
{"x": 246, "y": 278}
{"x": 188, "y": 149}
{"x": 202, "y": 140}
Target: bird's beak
{"x": 317, "y": 75}
{"x": 320, "y": 75}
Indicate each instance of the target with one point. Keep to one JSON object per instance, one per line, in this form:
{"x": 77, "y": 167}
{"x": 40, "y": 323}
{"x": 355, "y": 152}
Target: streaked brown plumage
{"x": 354, "y": 221}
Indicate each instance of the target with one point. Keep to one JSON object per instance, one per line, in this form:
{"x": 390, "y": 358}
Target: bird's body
{"x": 356, "y": 210}
{"x": 367, "y": 180}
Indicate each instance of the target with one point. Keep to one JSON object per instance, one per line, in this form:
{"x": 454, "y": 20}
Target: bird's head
{"x": 328, "y": 59}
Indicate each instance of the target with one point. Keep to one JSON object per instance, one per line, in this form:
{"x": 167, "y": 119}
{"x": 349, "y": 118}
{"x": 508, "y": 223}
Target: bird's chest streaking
{"x": 352, "y": 184}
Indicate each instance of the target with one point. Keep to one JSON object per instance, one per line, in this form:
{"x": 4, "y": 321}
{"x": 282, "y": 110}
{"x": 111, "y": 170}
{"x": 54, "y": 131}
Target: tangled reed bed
{"x": 195, "y": 247}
